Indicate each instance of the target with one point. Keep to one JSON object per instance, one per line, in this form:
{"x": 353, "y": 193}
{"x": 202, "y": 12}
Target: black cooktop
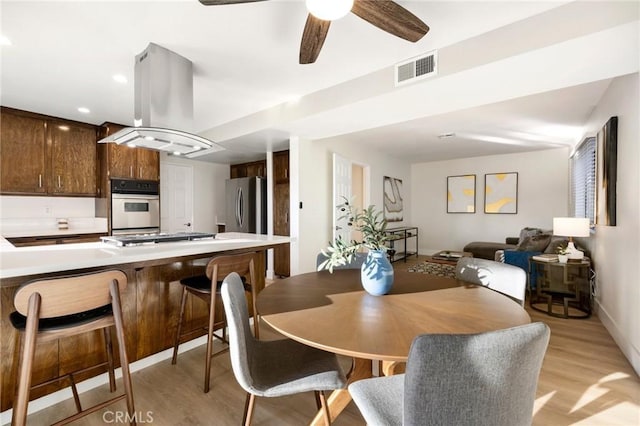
{"x": 134, "y": 240}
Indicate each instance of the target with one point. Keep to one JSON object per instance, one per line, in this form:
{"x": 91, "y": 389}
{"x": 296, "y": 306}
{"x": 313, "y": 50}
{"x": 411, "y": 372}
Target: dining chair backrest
{"x": 474, "y": 379}
{"x": 241, "y": 341}
{"x": 69, "y": 295}
{"x": 506, "y": 279}
{"x": 356, "y": 264}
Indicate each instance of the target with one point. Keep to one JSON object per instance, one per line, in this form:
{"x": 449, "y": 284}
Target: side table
{"x": 402, "y": 233}
{"x": 562, "y": 284}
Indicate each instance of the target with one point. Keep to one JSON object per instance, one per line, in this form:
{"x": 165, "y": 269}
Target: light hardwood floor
{"x": 585, "y": 380}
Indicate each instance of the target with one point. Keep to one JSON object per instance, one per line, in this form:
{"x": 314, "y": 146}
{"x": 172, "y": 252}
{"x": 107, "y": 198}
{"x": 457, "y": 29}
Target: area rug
{"x": 439, "y": 269}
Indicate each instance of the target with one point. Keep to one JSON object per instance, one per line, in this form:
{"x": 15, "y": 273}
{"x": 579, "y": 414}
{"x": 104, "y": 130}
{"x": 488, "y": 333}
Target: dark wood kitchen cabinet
{"x": 254, "y": 168}
{"x": 74, "y": 159}
{"x": 44, "y": 155}
{"x": 281, "y": 214}
{"x": 22, "y": 137}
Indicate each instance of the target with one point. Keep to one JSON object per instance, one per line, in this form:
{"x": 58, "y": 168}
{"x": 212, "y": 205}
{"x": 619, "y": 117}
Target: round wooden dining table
{"x": 331, "y": 311}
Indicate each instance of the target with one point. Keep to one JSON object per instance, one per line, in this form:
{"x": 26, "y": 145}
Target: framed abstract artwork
{"x": 392, "y": 199}
{"x": 607, "y": 170}
{"x": 501, "y": 193}
{"x": 461, "y": 194}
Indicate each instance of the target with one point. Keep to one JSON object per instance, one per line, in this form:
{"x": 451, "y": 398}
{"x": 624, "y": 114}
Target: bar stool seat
{"x": 60, "y": 307}
{"x": 201, "y": 286}
{"x": 19, "y": 321}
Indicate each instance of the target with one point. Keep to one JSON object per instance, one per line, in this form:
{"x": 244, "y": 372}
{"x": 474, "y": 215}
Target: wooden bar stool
{"x": 56, "y": 308}
{"x": 201, "y": 286}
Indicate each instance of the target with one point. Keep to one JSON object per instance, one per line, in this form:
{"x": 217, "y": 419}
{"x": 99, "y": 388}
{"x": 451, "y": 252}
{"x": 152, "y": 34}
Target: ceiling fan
{"x": 384, "y": 14}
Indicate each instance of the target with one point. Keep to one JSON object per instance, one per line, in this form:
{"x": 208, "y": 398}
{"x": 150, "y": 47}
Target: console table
{"x": 402, "y": 234}
{"x": 565, "y": 284}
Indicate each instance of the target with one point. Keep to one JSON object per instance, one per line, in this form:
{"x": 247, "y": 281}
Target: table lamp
{"x": 571, "y": 227}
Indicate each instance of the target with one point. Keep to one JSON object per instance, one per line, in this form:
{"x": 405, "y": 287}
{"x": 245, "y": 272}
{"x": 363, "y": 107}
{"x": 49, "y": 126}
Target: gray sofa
{"x": 530, "y": 239}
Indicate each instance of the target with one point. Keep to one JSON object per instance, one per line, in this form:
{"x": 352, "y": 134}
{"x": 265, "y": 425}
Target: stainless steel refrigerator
{"x": 246, "y": 205}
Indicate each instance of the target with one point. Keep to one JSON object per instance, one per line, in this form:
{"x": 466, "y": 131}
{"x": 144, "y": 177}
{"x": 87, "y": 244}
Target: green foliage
{"x": 368, "y": 221}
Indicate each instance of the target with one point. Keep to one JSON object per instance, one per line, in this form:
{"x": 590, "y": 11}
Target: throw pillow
{"x": 538, "y": 242}
{"x": 555, "y": 242}
{"x": 527, "y": 232}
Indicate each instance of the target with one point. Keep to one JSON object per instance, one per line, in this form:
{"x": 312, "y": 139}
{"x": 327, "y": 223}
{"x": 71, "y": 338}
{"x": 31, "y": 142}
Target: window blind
{"x": 583, "y": 180}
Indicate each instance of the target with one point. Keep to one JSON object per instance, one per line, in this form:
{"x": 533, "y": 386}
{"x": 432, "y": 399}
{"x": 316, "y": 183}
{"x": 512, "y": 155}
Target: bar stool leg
{"x": 183, "y": 302}
{"x": 124, "y": 359}
{"x": 212, "y": 321}
{"x": 256, "y": 319}
{"x": 109, "y": 349}
{"x": 21, "y": 400}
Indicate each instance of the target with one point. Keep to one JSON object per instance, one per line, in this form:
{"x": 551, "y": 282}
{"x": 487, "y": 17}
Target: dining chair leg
{"x": 248, "y": 409}
{"x": 212, "y": 321}
{"x": 176, "y": 342}
{"x": 124, "y": 359}
{"x": 109, "y": 349}
{"x": 19, "y": 417}
{"x": 325, "y": 408}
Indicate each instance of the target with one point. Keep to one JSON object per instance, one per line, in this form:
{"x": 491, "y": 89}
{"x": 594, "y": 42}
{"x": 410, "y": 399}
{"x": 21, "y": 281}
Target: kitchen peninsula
{"x": 150, "y": 303}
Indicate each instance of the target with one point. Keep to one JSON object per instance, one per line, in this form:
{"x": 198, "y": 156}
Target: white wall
{"x": 208, "y": 191}
{"x": 315, "y": 191}
{"x": 616, "y": 249}
{"x": 542, "y": 194}
{"x": 14, "y": 206}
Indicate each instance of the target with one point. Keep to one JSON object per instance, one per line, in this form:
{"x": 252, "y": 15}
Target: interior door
{"x": 341, "y": 189}
{"x": 176, "y": 198}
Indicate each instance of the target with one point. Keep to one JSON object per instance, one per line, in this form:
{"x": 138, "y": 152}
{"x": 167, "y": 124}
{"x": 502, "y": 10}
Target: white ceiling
{"x": 63, "y": 56}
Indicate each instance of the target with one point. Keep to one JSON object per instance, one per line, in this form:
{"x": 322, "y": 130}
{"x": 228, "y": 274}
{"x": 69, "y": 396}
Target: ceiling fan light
{"x": 329, "y": 10}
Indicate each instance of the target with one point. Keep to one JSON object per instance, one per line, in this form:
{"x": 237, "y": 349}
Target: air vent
{"x": 416, "y": 68}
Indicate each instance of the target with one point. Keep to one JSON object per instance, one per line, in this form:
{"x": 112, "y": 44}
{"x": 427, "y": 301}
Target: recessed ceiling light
{"x": 149, "y": 138}
{"x": 120, "y": 78}
{"x": 4, "y": 41}
{"x": 176, "y": 153}
{"x": 84, "y": 110}
{"x": 446, "y": 135}
{"x": 197, "y": 148}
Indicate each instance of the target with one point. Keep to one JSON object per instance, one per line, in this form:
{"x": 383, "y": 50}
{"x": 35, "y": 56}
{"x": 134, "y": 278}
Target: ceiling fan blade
{"x": 315, "y": 31}
{"x": 391, "y": 17}
{"x": 221, "y": 2}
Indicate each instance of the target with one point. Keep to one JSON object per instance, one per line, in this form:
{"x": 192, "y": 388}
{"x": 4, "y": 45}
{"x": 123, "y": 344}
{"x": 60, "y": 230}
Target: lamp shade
{"x": 571, "y": 226}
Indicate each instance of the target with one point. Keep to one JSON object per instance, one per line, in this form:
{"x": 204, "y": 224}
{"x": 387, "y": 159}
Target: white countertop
{"x": 15, "y": 262}
{"x": 43, "y": 227}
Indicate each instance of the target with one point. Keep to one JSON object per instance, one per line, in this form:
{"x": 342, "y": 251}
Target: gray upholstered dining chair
{"x": 273, "y": 368}
{"x": 356, "y": 264}
{"x": 460, "y": 379}
{"x": 501, "y": 277}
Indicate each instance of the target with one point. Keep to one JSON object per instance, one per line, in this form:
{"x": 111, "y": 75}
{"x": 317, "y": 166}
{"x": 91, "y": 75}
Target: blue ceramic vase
{"x": 376, "y": 273}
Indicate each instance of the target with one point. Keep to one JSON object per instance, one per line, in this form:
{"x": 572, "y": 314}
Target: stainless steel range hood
{"x": 163, "y": 106}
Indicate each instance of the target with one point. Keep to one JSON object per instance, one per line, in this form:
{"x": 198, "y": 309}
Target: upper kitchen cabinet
{"x": 73, "y": 155}
{"x": 46, "y": 155}
{"x": 254, "y": 168}
{"x": 22, "y": 151}
{"x": 121, "y": 161}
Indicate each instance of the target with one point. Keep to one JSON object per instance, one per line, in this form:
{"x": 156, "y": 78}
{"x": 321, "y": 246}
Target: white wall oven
{"x": 135, "y": 207}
